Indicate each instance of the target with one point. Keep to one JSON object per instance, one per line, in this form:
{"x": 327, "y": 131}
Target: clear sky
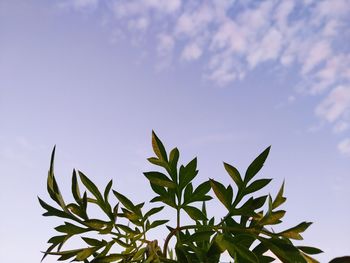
{"x": 221, "y": 80}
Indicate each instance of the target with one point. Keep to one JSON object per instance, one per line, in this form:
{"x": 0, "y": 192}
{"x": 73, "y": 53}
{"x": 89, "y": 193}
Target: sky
{"x": 221, "y": 80}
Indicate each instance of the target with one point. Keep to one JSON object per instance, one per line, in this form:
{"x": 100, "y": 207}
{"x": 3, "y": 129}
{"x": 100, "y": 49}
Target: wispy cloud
{"x": 234, "y": 37}
{"x": 344, "y": 146}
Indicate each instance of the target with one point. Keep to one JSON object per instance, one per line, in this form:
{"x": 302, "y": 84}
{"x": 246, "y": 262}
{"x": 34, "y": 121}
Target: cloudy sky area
{"x": 220, "y": 79}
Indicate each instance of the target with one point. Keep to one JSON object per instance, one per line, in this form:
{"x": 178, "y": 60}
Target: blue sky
{"x": 221, "y": 80}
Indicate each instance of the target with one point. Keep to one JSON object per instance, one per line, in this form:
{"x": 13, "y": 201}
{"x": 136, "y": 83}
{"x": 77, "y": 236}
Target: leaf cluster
{"x": 243, "y": 232}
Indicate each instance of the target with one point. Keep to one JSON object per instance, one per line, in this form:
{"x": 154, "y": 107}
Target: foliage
{"x": 242, "y": 232}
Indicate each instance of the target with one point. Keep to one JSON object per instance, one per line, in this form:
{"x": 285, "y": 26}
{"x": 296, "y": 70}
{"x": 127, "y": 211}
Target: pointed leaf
{"x": 256, "y": 165}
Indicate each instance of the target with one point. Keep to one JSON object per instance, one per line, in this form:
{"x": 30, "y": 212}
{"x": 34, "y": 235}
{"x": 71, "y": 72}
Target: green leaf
{"x": 198, "y": 236}
{"x": 173, "y": 160}
{"x": 94, "y": 242}
{"x": 107, "y": 190}
{"x": 156, "y": 223}
{"x": 51, "y": 211}
{"x": 256, "y": 165}
{"x": 71, "y": 229}
{"x": 125, "y": 201}
{"x": 160, "y": 179}
{"x": 74, "y": 208}
{"x": 234, "y": 173}
{"x": 158, "y": 147}
{"x": 75, "y": 188}
{"x": 195, "y": 213}
{"x": 110, "y": 258}
{"x": 85, "y": 253}
{"x": 272, "y": 218}
{"x": 233, "y": 247}
{"x": 187, "y": 173}
{"x": 294, "y": 232}
{"x": 310, "y": 250}
{"x": 90, "y": 186}
{"x": 257, "y": 185}
{"x": 280, "y": 199}
{"x": 220, "y": 192}
{"x": 188, "y": 194}
{"x": 153, "y": 211}
{"x": 284, "y": 251}
{"x": 96, "y": 224}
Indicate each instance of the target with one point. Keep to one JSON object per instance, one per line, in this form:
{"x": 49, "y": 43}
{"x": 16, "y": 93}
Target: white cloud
{"x": 335, "y": 105}
{"x": 192, "y": 23}
{"x": 191, "y": 52}
{"x": 234, "y": 37}
{"x": 341, "y": 127}
{"x": 165, "y": 44}
{"x": 319, "y": 52}
{"x": 79, "y": 5}
{"x": 269, "y": 48}
{"x": 344, "y": 146}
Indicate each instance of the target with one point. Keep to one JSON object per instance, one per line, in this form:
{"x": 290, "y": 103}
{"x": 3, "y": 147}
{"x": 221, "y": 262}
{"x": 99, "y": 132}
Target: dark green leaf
{"x": 107, "y": 190}
{"x": 220, "y": 192}
{"x": 187, "y": 173}
{"x": 160, "y": 179}
{"x": 158, "y": 223}
{"x": 90, "y": 186}
{"x": 310, "y": 250}
{"x": 256, "y": 165}
{"x": 153, "y": 211}
{"x": 125, "y": 201}
{"x": 71, "y": 229}
{"x": 235, "y": 175}
{"x": 195, "y": 213}
{"x": 75, "y": 188}
{"x": 257, "y": 185}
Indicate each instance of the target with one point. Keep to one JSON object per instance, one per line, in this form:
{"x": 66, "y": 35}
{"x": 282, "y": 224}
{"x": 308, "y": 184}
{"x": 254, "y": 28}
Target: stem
{"x": 175, "y": 231}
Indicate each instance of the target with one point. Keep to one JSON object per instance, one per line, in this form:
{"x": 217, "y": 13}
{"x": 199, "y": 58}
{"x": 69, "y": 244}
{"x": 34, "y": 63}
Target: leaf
{"x": 257, "y": 185}
{"x": 188, "y": 194}
{"x": 256, "y": 165}
{"x": 187, "y": 173}
{"x": 310, "y": 250}
{"x": 159, "y": 179}
{"x": 96, "y": 224}
{"x": 71, "y": 229}
{"x": 90, "y": 186}
{"x": 198, "y": 236}
{"x": 107, "y": 190}
{"x": 110, "y": 258}
{"x": 273, "y": 218}
{"x": 85, "y": 253}
{"x": 125, "y": 201}
{"x": 233, "y": 247}
{"x": 158, "y": 147}
{"x": 294, "y": 232}
{"x": 279, "y": 200}
{"x": 156, "y": 223}
{"x": 75, "y": 188}
{"x": 51, "y": 211}
{"x": 173, "y": 160}
{"x": 220, "y": 192}
{"x": 195, "y": 213}
{"x": 234, "y": 173}
{"x": 94, "y": 242}
{"x": 74, "y": 208}
{"x": 153, "y": 211}
{"x": 284, "y": 251}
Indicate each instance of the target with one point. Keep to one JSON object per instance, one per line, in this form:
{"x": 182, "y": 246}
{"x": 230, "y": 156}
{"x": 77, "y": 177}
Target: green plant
{"x": 241, "y": 232}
